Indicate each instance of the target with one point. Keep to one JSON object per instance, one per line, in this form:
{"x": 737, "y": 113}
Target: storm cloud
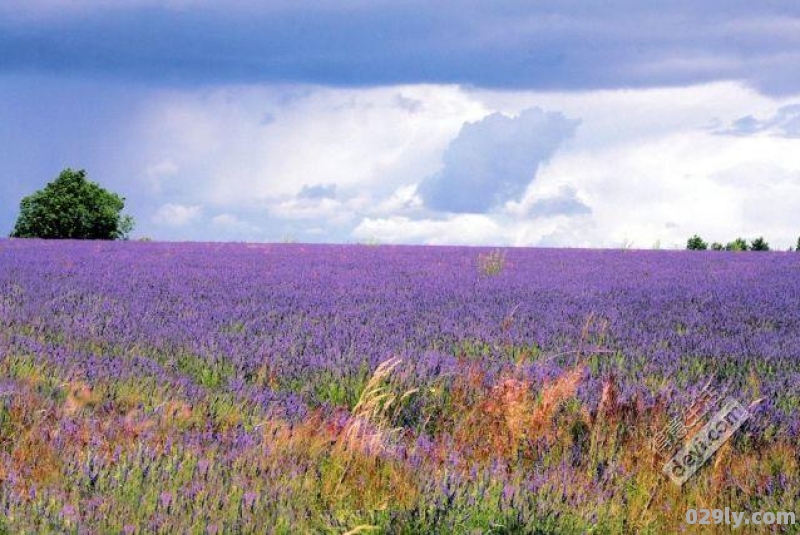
{"x": 507, "y": 44}
{"x": 493, "y": 160}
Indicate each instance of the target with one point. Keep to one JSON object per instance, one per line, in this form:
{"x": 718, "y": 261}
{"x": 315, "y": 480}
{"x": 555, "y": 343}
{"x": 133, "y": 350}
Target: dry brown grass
{"x": 369, "y": 428}
{"x": 609, "y": 399}
{"x": 514, "y": 403}
{"x": 352, "y": 475}
{"x": 35, "y": 457}
{"x": 30, "y": 421}
{"x": 79, "y": 396}
{"x": 368, "y": 476}
{"x": 135, "y": 423}
{"x": 508, "y": 420}
{"x": 266, "y": 376}
{"x": 552, "y": 396}
{"x": 177, "y": 412}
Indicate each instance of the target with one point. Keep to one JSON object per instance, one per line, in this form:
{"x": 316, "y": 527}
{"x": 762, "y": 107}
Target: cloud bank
{"x": 511, "y": 44}
{"x": 353, "y": 164}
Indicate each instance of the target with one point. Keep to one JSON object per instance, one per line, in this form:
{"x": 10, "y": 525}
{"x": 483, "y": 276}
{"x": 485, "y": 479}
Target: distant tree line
{"x": 696, "y": 243}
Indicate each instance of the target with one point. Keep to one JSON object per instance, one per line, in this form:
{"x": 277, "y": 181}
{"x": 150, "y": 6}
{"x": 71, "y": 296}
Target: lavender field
{"x": 223, "y": 388}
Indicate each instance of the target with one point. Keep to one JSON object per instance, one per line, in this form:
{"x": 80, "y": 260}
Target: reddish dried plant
{"x": 510, "y": 416}
{"x": 79, "y": 395}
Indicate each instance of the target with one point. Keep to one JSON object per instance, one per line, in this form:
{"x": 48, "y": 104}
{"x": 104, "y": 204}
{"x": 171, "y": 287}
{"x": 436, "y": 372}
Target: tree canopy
{"x": 696, "y": 243}
{"x": 759, "y": 244}
{"x": 72, "y": 207}
{"x": 739, "y": 244}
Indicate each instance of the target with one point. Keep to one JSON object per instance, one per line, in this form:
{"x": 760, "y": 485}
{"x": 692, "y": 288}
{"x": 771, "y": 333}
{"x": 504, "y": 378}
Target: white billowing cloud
{"x": 478, "y": 229}
{"x": 641, "y": 173}
{"x": 232, "y": 223}
{"x": 610, "y": 118}
{"x": 404, "y": 200}
{"x": 330, "y": 210}
{"x": 651, "y": 169}
{"x": 350, "y": 165}
{"x": 355, "y": 141}
{"x": 493, "y": 160}
{"x": 157, "y": 173}
{"x": 679, "y": 185}
{"x": 458, "y": 229}
{"x": 771, "y": 208}
{"x": 176, "y": 215}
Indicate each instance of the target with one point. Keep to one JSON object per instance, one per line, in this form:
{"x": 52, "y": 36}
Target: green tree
{"x": 759, "y": 244}
{"x": 696, "y": 243}
{"x": 739, "y": 244}
{"x": 717, "y": 246}
{"x": 72, "y": 207}
{"x": 798, "y": 245}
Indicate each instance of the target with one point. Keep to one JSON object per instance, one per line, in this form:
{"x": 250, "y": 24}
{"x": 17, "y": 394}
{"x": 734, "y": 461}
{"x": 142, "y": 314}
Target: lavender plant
{"x": 149, "y": 387}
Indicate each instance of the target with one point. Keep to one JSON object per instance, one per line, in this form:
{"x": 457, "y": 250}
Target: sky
{"x": 559, "y": 124}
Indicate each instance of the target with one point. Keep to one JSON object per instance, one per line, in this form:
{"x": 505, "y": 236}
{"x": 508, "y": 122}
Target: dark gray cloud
{"x": 318, "y": 191}
{"x": 565, "y": 202}
{"x": 493, "y": 160}
{"x": 784, "y": 123}
{"x": 556, "y": 44}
